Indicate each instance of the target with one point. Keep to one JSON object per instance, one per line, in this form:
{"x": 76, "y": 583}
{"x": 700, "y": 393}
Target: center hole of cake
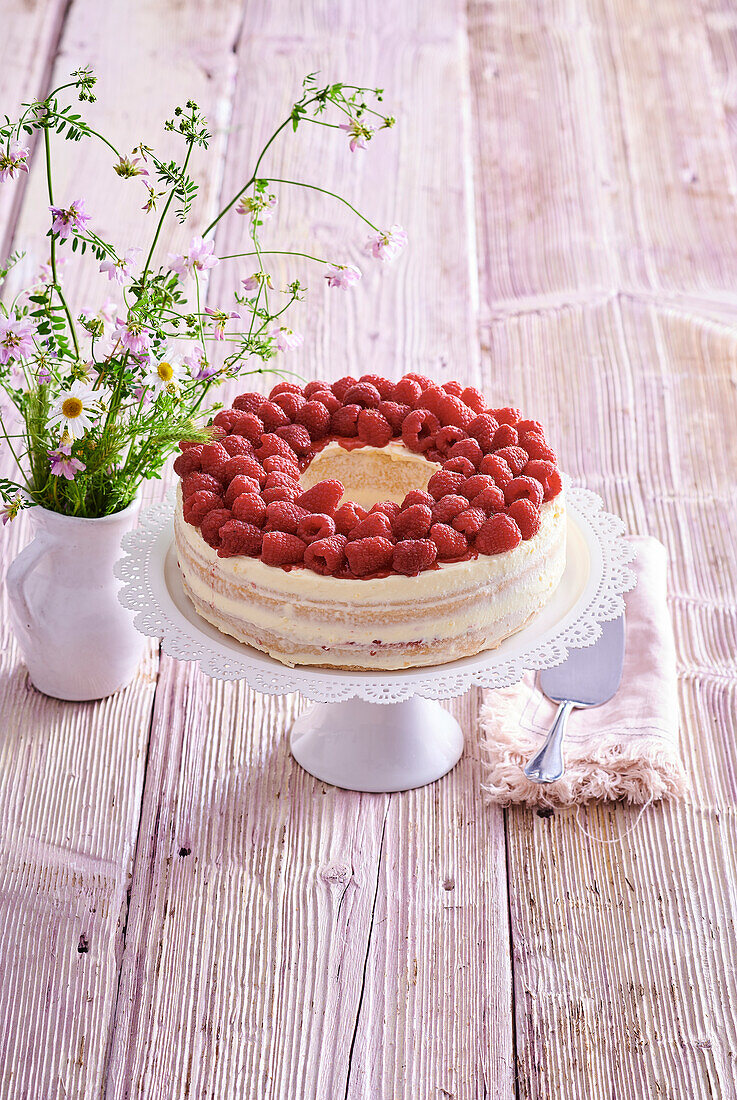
{"x": 370, "y": 474}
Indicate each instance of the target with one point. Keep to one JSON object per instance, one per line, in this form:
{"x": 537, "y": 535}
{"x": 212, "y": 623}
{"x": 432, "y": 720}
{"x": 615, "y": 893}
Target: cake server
{"x": 588, "y": 678}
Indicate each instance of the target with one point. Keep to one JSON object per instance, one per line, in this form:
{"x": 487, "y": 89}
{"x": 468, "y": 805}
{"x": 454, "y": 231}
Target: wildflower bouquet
{"x": 98, "y": 402}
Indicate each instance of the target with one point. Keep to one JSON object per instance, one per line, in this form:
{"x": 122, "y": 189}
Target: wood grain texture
{"x": 623, "y": 949}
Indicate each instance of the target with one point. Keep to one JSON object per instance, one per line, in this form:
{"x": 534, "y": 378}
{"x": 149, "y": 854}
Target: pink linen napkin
{"x": 625, "y": 749}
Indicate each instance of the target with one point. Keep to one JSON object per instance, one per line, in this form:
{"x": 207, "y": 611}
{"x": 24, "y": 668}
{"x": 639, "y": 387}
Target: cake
{"x": 370, "y": 524}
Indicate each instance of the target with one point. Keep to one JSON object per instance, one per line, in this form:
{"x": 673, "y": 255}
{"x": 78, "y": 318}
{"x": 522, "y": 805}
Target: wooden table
{"x": 566, "y": 171}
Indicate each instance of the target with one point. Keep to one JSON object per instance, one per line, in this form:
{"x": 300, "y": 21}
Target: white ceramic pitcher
{"x": 76, "y": 639}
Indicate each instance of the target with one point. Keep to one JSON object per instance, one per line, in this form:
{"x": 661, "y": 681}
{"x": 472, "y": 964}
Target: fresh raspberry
{"x": 537, "y": 448}
{"x": 421, "y": 379}
{"x": 447, "y": 438}
{"x": 328, "y": 399}
{"x": 316, "y": 386}
{"x": 394, "y": 414}
{"x": 499, "y": 534}
{"x": 418, "y": 430}
{"x": 273, "y": 445}
{"x": 237, "y": 445}
{"x": 414, "y": 555}
{"x": 454, "y": 388}
{"x": 482, "y": 428}
{"x": 525, "y": 426}
{"x": 323, "y": 497}
{"x": 497, "y": 468}
{"x": 239, "y": 485}
{"x": 434, "y": 455}
{"x": 460, "y": 465}
{"x": 211, "y": 524}
{"x": 407, "y": 392}
{"x": 373, "y": 428}
{"x": 375, "y": 525}
{"x": 297, "y": 437}
{"x": 489, "y": 500}
{"x": 515, "y": 458}
{"x": 214, "y": 459}
{"x": 448, "y": 507}
{"x": 188, "y": 461}
{"x": 449, "y": 542}
{"x": 283, "y": 515}
{"x": 344, "y": 421}
{"x": 443, "y": 482}
{"x": 363, "y": 394}
{"x": 217, "y": 434}
{"x": 388, "y": 508}
{"x": 281, "y": 548}
{"x": 524, "y": 488}
{"x": 224, "y": 419}
{"x": 347, "y": 516}
{"x": 505, "y": 436}
{"x": 467, "y": 448}
{"x": 199, "y": 504}
{"x": 244, "y": 464}
{"x": 507, "y": 415}
{"x": 372, "y": 555}
{"x": 280, "y": 492}
{"x": 432, "y": 400}
{"x": 383, "y": 385}
{"x": 237, "y": 537}
{"x": 539, "y": 469}
{"x": 315, "y": 418}
{"x": 526, "y": 516}
{"x": 413, "y": 522}
{"x": 472, "y": 486}
{"x": 248, "y": 402}
{"x": 554, "y": 486}
{"x": 418, "y": 496}
{"x": 251, "y": 427}
{"x": 285, "y": 387}
{"x": 273, "y": 416}
{"x": 278, "y": 464}
{"x": 198, "y": 482}
{"x": 326, "y": 556}
{"x": 470, "y": 522}
{"x": 249, "y": 508}
{"x": 474, "y": 399}
{"x": 453, "y": 411}
{"x": 341, "y": 387}
{"x": 315, "y": 526}
{"x": 185, "y": 444}
{"x": 290, "y": 403}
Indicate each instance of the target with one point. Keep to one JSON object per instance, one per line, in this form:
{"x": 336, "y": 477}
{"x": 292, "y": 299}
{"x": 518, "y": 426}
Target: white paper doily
{"x": 591, "y": 592}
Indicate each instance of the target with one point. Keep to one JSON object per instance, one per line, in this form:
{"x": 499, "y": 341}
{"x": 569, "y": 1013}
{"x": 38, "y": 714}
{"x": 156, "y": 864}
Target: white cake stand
{"x": 382, "y": 731}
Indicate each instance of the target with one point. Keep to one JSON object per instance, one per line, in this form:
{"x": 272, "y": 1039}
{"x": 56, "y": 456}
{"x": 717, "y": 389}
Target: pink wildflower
{"x": 11, "y": 509}
{"x": 220, "y": 318}
{"x": 358, "y": 133}
{"x": 199, "y": 257}
{"x": 343, "y": 276}
{"x": 13, "y": 159}
{"x": 64, "y": 221}
{"x": 132, "y": 335}
{"x": 16, "y": 338}
{"x": 285, "y": 339}
{"x": 387, "y": 246}
{"x": 260, "y": 206}
{"x": 199, "y": 367}
{"x": 120, "y": 269}
{"x": 62, "y": 464}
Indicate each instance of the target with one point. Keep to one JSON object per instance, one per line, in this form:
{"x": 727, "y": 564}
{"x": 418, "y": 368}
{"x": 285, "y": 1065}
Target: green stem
{"x": 324, "y": 191}
{"x": 276, "y": 252}
{"x": 57, "y": 287}
{"x": 164, "y": 212}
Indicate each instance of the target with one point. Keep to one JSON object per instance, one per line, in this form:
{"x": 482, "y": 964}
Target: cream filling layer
{"x": 308, "y": 609}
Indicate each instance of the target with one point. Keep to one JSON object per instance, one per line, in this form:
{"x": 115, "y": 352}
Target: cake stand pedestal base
{"x": 363, "y": 746}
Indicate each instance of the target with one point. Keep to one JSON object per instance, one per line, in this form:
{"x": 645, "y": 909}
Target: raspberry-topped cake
{"x": 370, "y": 524}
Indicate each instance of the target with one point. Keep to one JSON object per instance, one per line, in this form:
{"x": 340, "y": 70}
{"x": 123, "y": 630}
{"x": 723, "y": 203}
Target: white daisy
{"x": 164, "y": 374}
{"x": 72, "y": 409}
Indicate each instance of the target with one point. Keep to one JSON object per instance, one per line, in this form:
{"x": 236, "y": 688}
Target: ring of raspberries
{"x": 243, "y": 492}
